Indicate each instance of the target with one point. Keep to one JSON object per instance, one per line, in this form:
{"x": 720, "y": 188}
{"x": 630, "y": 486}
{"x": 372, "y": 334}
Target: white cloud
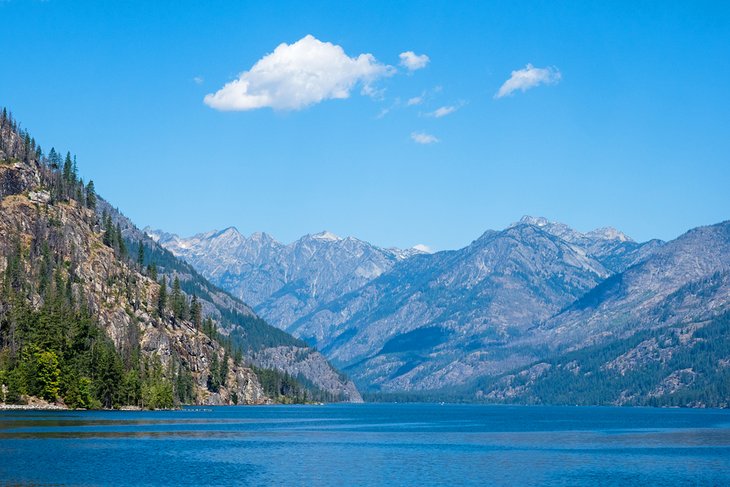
{"x": 530, "y": 77}
{"x": 423, "y": 138}
{"x": 297, "y": 75}
{"x": 198, "y": 80}
{"x": 416, "y": 100}
{"x": 443, "y": 111}
{"x": 412, "y": 61}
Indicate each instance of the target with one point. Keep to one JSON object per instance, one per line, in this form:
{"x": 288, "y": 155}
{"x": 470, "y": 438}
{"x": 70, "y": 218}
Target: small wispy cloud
{"x": 423, "y": 138}
{"x": 298, "y": 75}
{"x": 412, "y": 61}
{"x": 443, "y": 111}
{"x": 198, "y": 80}
{"x": 383, "y": 112}
{"x": 424, "y": 96}
{"x": 529, "y": 77}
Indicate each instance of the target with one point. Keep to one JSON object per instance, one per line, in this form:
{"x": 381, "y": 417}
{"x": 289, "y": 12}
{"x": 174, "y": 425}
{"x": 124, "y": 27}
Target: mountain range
{"x": 95, "y": 312}
{"x": 283, "y": 282}
{"x": 469, "y": 322}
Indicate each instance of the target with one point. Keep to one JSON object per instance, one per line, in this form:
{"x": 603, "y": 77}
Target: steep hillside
{"x": 655, "y": 334}
{"x": 685, "y": 364}
{"x": 667, "y": 287}
{"x": 283, "y": 282}
{"x": 82, "y": 322}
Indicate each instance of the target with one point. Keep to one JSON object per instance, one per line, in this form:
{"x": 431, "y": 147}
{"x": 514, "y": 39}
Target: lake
{"x": 367, "y": 444}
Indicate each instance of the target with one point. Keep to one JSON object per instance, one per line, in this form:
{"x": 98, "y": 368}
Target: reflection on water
{"x": 413, "y": 444}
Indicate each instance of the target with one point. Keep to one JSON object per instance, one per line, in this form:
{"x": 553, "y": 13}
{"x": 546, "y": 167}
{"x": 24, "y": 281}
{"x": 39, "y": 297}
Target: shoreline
{"x": 33, "y": 407}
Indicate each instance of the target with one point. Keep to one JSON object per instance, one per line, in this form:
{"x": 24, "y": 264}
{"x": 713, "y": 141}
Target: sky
{"x": 400, "y": 123}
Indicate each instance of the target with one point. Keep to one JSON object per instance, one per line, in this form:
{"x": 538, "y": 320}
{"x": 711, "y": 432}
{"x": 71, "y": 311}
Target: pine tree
{"x": 54, "y": 159}
{"x": 178, "y": 301}
{"x": 90, "y": 195}
{"x": 196, "y": 312}
{"x": 108, "y": 238}
{"x": 120, "y": 241}
{"x": 162, "y": 297}
{"x": 140, "y": 254}
{"x": 223, "y": 370}
{"x": 74, "y": 171}
{"x": 213, "y": 382}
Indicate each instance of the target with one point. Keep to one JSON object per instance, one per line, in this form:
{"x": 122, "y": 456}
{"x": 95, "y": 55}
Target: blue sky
{"x": 630, "y": 126}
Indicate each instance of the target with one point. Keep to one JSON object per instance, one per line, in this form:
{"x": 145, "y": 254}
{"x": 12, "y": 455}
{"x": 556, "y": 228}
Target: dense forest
{"x": 51, "y": 343}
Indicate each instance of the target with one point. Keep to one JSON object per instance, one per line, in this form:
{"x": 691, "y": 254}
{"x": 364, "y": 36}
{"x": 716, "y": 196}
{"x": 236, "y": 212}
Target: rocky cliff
{"x": 115, "y": 292}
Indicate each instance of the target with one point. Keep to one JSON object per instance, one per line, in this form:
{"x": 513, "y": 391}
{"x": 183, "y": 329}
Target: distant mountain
{"x": 504, "y": 318}
{"x": 612, "y": 248}
{"x": 438, "y": 320}
{"x": 681, "y": 281}
{"x": 283, "y": 282}
{"x": 656, "y": 334}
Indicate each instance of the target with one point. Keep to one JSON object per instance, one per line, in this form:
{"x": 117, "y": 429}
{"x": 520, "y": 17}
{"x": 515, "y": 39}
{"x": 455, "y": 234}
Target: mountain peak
{"x": 422, "y": 248}
{"x": 326, "y": 235}
{"x": 261, "y": 237}
{"x": 567, "y": 233}
{"x": 609, "y": 233}
{"x": 538, "y": 221}
{"x": 229, "y": 231}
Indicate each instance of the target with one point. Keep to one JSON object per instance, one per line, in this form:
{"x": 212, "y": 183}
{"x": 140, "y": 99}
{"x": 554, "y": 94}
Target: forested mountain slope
{"x": 86, "y": 320}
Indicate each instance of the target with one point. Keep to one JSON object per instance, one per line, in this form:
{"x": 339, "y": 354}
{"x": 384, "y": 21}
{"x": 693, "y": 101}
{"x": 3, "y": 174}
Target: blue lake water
{"x": 368, "y": 444}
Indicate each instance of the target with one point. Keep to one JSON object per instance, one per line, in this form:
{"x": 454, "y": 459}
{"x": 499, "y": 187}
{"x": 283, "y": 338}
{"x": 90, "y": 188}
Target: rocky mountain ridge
{"x": 283, "y": 282}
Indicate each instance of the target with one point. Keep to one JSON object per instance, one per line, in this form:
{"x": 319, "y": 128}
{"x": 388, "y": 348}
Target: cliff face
{"x": 122, "y": 300}
{"x": 119, "y": 296}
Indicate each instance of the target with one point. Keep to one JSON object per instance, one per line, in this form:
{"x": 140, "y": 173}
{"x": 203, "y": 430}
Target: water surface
{"x": 369, "y": 444}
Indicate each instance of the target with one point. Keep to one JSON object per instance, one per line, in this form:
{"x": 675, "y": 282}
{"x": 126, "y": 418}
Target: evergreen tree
{"x": 108, "y": 238}
{"x": 54, "y": 159}
{"x": 178, "y": 301}
{"x": 109, "y": 376}
{"x": 152, "y": 271}
{"x": 214, "y": 381}
{"x": 120, "y": 245}
{"x": 223, "y": 369}
{"x": 90, "y": 195}
{"x": 162, "y": 297}
{"x": 140, "y": 254}
{"x": 196, "y": 312}
{"x": 47, "y": 374}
